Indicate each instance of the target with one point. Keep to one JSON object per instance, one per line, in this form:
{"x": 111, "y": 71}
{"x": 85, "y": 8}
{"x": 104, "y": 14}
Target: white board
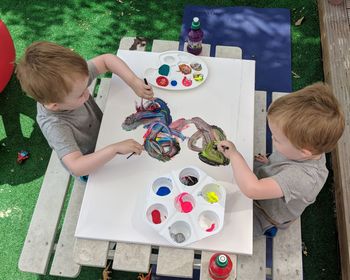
{"x": 114, "y": 199}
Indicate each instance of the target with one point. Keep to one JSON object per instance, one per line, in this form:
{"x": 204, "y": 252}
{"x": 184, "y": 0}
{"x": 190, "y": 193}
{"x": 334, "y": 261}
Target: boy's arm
{"x": 249, "y": 184}
{"x": 81, "y": 165}
{"x": 112, "y": 63}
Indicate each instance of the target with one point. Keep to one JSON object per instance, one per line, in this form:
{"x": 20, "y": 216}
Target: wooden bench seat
{"x": 69, "y": 254}
{"x": 335, "y": 39}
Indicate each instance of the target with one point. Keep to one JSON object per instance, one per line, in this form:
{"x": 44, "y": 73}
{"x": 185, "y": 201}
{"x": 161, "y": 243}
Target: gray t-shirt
{"x": 72, "y": 130}
{"x": 300, "y": 181}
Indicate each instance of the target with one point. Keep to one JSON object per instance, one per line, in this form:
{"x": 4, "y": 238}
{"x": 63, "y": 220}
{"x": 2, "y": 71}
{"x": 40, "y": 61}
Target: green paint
{"x": 164, "y": 70}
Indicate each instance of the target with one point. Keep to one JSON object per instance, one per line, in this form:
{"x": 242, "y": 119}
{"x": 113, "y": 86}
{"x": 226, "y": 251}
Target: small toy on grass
{"x": 22, "y": 156}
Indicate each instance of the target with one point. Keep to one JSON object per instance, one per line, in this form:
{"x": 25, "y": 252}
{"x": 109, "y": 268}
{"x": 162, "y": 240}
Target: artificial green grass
{"x": 95, "y": 27}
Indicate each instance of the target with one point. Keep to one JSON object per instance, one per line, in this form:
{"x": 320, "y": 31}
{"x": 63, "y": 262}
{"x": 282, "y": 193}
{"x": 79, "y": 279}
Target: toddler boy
{"x": 58, "y": 79}
{"x": 305, "y": 125}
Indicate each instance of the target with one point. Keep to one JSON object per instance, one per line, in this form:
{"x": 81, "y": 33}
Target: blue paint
{"x": 162, "y": 191}
{"x": 173, "y": 83}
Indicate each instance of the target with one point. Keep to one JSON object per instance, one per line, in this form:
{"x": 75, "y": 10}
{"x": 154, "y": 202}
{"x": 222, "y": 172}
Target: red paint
{"x": 211, "y": 228}
{"x": 162, "y": 81}
{"x": 220, "y": 266}
{"x": 186, "y": 82}
{"x": 7, "y": 56}
{"x": 156, "y": 216}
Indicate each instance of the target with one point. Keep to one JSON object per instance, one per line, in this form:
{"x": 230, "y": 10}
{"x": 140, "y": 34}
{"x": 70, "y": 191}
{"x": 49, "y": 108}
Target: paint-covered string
{"x": 161, "y": 140}
{"x": 210, "y": 135}
{"x": 153, "y": 111}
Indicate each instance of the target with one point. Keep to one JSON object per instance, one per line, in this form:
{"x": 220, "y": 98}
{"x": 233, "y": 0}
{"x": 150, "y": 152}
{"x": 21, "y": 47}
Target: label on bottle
{"x": 195, "y": 45}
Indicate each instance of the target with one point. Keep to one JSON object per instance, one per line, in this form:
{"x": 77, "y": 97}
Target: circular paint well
{"x": 173, "y": 83}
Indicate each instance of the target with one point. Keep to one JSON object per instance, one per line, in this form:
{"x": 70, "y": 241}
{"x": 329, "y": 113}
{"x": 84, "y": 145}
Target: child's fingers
{"x": 147, "y": 94}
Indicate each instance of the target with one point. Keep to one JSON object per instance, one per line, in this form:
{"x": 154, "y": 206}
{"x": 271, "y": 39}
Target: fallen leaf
{"x": 295, "y": 75}
{"x": 299, "y": 21}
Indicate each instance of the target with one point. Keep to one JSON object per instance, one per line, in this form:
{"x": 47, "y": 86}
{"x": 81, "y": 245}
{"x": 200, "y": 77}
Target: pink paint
{"x": 185, "y": 206}
{"x": 186, "y": 82}
{"x": 211, "y": 228}
{"x": 156, "y": 216}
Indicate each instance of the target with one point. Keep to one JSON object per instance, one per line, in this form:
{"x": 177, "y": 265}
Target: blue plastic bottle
{"x": 195, "y": 37}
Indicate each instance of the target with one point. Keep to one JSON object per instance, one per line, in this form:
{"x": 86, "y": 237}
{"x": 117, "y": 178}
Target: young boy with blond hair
{"x": 58, "y": 79}
{"x": 305, "y": 125}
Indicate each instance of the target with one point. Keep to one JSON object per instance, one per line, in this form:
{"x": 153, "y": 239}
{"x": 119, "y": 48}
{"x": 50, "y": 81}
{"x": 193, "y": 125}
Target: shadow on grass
{"x": 18, "y": 114}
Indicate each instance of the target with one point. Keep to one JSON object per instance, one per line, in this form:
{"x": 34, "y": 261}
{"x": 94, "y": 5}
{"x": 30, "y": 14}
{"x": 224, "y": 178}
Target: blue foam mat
{"x": 263, "y": 34}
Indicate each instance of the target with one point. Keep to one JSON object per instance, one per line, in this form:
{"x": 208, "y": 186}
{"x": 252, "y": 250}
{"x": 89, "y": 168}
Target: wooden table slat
{"x": 175, "y": 262}
{"x": 132, "y": 257}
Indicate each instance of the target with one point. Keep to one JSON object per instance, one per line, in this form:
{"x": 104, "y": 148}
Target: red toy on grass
{"x": 7, "y": 56}
{"x": 22, "y": 156}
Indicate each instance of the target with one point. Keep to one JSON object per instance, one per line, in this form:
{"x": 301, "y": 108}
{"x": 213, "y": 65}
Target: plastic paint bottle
{"x": 195, "y": 37}
{"x": 220, "y": 266}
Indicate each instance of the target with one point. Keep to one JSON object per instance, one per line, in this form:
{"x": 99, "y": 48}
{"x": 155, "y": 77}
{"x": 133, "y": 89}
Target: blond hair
{"x": 311, "y": 118}
{"x": 47, "y": 71}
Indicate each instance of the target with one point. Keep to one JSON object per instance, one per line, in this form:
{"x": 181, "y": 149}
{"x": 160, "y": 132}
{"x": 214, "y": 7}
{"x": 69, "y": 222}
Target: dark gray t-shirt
{"x": 72, "y": 130}
{"x": 300, "y": 181}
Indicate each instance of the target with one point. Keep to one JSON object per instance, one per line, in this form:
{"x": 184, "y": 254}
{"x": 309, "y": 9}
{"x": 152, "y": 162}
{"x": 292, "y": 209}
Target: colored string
{"x": 161, "y": 140}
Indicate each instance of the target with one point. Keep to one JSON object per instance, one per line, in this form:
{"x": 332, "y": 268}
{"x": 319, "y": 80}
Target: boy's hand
{"x": 261, "y": 158}
{"x": 227, "y": 148}
{"x": 142, "y": 90}
{"x": 128, "y": 146}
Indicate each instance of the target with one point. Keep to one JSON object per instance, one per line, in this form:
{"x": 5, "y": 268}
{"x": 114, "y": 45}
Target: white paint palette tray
{"x": 185, "y": 206}
{"x": 177, "y": 70}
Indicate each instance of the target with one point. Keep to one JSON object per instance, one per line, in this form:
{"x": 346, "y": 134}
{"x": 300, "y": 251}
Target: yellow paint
{"x": 212, "y": 197}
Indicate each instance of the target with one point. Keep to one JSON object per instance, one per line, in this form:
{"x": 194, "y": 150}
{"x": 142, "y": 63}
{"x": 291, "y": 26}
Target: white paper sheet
{"x": 113, "y": 204}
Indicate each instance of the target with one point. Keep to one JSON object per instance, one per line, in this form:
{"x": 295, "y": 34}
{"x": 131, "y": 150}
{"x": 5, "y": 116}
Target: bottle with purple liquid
{"x": 195, "y": 37}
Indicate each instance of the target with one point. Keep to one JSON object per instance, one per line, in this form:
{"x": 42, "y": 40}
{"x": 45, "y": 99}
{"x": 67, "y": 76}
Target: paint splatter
{"x": 156, "y": 217}
{"x": 211, "y": 228}
{"x": 164, "y": 70}
{"x": 189, "y": 180}
{"x": 185, "y": 69}
{"x": 185, "y": 206}
{"x": 196, "y": 66}
{"x": 162, "y": 81}
{"x": 198, "y": 77}
{"x": 178, "y": 237}
{"x": 186, "y": 82}
{"x": 211, "y": 197}
{"x": 163, "y": 191}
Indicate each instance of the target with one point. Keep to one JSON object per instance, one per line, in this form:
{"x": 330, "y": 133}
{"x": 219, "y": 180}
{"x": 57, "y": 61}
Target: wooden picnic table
{"x": 71, "y": 253}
